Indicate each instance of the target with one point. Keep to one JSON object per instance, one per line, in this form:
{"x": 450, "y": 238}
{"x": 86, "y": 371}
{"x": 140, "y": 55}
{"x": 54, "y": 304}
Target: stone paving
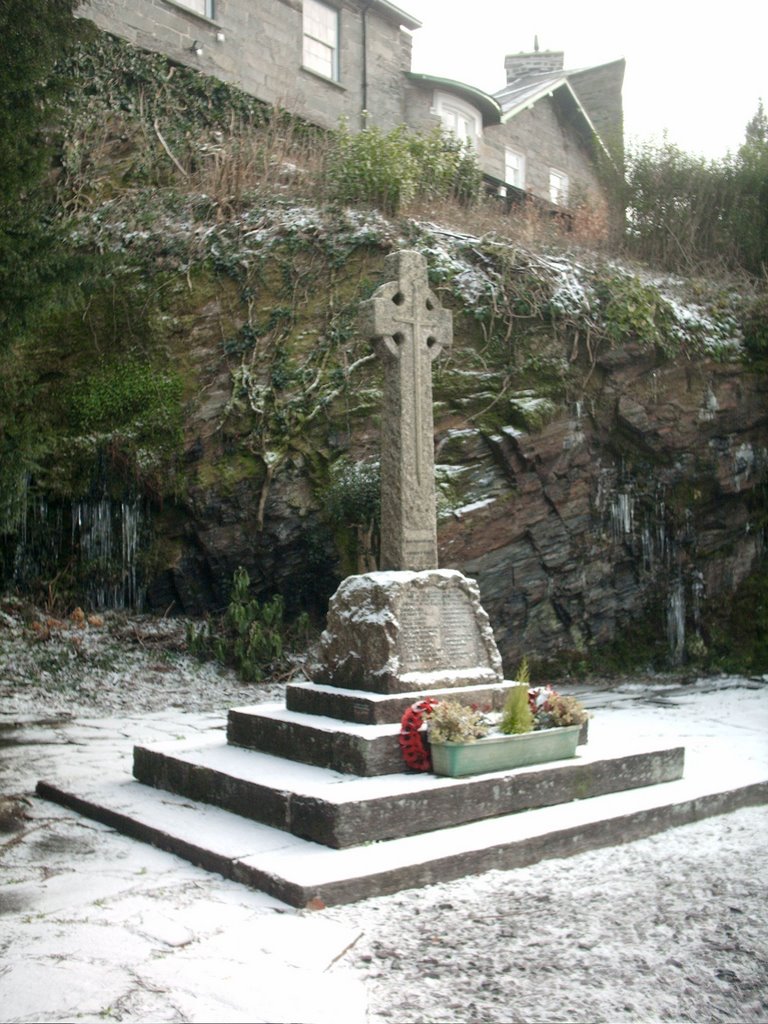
{"x": 98, "y": 926}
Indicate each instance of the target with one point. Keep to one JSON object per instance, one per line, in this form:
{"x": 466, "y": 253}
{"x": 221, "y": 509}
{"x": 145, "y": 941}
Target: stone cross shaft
{"x": 409, "y": 328}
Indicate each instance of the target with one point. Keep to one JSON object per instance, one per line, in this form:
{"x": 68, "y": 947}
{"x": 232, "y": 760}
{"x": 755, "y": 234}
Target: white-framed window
{"x": 321, "y": 39}
{"x": 514, "y": 168}
{"x": 204, "y": 7}
{"x": 458, "y": 117}
{"x": 558, "y": 187}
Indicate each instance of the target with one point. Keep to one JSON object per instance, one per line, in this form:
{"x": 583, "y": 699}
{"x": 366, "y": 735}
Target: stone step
{"x": 383, "y": 708}
{"x": 345, "y": 747}
{"x": 342, "y": 746}
{"x": 301, "y": 872}
{"x": 342, "y": 811}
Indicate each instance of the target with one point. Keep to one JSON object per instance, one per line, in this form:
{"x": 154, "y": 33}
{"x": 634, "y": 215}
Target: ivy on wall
{"x": 228, "y": 258}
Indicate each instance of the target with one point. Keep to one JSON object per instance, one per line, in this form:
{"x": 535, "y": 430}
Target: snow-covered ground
{"x": 97, "y": 926}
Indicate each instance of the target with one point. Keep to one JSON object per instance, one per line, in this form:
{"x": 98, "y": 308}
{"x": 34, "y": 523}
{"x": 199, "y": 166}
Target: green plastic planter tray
{"x": 495, "y": 753}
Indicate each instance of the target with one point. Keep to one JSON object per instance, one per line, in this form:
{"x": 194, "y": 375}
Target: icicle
{"x": 697, "y": 593}
{"x": 21, "y": 500}
{"x": 622, "y": 515}
{"x": 646, "y": 547}
{"x": 108, "y": 551}
{"x": 676, "y": 621}
{"x": 131, "y": 522}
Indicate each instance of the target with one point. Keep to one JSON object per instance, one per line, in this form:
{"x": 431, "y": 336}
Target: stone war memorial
{"x": 309, "y": 800}
{"x": 410, "y": 627}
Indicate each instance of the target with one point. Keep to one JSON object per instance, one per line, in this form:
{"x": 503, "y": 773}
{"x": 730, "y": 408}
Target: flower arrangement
{"x": 527, "y": 709}
{"x": 553, "y": 710}
{"x": 452, "y": 722}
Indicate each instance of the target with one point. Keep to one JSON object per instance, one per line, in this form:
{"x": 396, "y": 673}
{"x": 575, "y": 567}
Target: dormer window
{"x": 459, "y": 118}
{"x": 558, "y": 187}
{"x": 321, "y": 39}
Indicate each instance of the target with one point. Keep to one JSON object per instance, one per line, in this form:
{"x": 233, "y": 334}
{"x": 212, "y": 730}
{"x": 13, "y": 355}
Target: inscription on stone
{"x": 437, "y": 629}
{"x": 419, "y": 640}
{"x": 404, "y": 632}
{"x": 459, "y": 630}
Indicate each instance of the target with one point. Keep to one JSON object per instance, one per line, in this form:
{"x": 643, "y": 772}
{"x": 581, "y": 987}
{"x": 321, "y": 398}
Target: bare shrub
{"x": 278, "y": 155}
{"x": 685, "y": 213}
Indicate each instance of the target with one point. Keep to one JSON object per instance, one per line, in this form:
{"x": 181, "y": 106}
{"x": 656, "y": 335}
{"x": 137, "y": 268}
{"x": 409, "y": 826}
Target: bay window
{"x": 459, "y": 118}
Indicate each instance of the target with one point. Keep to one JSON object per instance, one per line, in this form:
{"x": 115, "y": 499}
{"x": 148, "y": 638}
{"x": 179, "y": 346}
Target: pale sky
{"x": 695, "y": 72}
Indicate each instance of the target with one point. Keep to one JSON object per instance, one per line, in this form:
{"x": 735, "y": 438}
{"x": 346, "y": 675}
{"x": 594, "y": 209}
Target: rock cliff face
{"x": 642, "y": 503}
{"x": 601, "y": 452}
{"x": 202, "y": 398}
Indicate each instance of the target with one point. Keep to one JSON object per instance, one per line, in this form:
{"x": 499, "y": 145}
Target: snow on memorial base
{"x": 311, "y": 800}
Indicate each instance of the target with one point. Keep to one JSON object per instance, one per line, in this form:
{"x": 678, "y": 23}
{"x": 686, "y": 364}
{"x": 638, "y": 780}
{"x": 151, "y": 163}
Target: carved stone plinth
{"x": 400, "y": 632}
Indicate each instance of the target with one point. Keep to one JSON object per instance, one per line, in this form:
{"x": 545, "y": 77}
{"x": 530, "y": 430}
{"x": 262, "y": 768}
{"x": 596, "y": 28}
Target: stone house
{"x": 546, "y": 134}
{"x": 319, "y": 61}
{"x": 549, "y": 133}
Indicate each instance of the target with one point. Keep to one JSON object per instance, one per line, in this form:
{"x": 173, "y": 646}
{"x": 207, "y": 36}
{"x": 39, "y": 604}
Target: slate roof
{"x": 523, "y": 92}
{"x": 526, "y": 90}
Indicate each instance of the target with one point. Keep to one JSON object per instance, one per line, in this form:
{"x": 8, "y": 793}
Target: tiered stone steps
{"x": 341, "y": 809}
{"x": 301, "y": 872}
{"x": 310, "y": 800}
{"x": 306, "y": 832}
{"x": 349, "y": 731}
{"x": 288, "y": 784}
{"x": 366, "y": 708}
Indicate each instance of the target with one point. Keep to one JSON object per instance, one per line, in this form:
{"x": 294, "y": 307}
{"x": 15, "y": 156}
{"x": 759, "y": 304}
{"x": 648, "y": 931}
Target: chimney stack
{"x": 520, "y": 65}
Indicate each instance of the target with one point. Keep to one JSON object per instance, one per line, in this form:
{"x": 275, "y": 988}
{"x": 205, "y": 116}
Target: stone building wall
{"x": 257, "y": 46}
{"x": 418, "y": 108}
{"x": 599, "y": 90}
{"x": 544, "y": 135}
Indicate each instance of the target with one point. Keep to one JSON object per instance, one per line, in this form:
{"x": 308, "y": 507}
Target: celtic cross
{"x": 410, "y": 328}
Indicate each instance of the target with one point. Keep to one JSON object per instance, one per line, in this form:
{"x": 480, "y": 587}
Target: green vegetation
{"x": 352, "y": 507}
{"x": 124, "y": 392}
{"x": 635, "y": 312}
{"x": 390, "y": 169}
{"x": 756, "y": 328}
{"x": 251, "y": 636}
{"x": 685, "y": 212}
{"x": 135, "y": 119}
{"x": 517, "y": 716}
{"x": 144, "y": 121}
{"x": 736, "y": 629}
{"x": 35, "y": 255}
